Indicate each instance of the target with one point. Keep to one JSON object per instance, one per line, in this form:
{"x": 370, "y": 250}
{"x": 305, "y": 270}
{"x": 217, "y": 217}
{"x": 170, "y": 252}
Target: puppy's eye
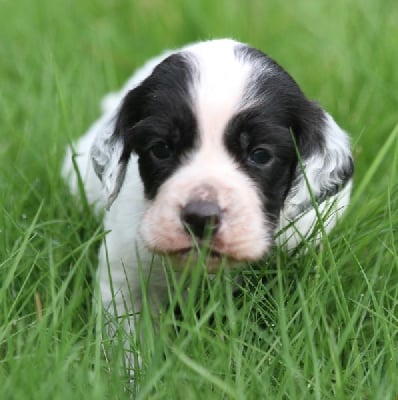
{"x": 161, "y": 151}
{"x": 259, "y": 156}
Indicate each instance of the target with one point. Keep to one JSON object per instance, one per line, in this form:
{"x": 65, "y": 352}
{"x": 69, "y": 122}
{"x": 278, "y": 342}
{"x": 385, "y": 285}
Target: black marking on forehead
{"x": 273, "y": 108}
{"x": 271, "y": 89}
{"x": 163, "y": 93}
{"x": 157, "y": 111}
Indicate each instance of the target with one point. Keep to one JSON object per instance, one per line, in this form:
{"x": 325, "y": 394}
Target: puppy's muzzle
{"x": 201, "y": 218}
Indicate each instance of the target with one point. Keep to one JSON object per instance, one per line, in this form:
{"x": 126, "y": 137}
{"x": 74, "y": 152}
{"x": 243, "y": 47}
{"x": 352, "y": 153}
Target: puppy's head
{"x": 217, "y": 128}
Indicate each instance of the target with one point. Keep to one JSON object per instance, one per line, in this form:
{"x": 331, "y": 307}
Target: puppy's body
{"x": 206, "y": 137}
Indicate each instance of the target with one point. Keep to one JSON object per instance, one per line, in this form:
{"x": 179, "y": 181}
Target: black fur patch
{"x": 279, "y": 96}
{"x": 158, "y": 113}
{"x": 278, "y": 109}
{"x": 253, "y": 129}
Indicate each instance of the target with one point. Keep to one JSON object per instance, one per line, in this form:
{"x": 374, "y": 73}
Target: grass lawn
{"x": 322, "y": 324}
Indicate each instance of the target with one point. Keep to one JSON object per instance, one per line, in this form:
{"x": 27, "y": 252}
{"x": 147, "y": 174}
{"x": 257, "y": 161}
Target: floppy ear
{"x": 326, "y": 163}
{"x": 106, "y": 155}
{"x": 111, "y": 149}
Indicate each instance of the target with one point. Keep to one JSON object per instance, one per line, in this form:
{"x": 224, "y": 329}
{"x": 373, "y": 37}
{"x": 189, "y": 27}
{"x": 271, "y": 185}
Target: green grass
{"x": 322, "y": 324}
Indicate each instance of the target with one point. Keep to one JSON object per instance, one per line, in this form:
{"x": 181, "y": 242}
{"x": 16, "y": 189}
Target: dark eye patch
{"x": 160, "y": 152}
{"x": 161, "y": 143}
{"x": 262, "y": 146}
{"x": 156, "y": 121}
{"x": 151, "y": 132}
{"x": 258, "y": 138}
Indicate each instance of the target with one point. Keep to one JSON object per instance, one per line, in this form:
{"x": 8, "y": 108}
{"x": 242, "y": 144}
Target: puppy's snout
{"x": 201, "y": 217}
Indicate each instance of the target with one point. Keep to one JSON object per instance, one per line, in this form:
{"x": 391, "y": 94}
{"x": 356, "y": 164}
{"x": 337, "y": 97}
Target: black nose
{"x": 201, "y": 218}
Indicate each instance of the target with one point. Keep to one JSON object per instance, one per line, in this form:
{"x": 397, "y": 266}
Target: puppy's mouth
{"x": 208, "y": 259}
{"x": 192, "y": 251}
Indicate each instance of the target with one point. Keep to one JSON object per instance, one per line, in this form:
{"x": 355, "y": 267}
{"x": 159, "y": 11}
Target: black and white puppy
{"x": 205, "y": 141}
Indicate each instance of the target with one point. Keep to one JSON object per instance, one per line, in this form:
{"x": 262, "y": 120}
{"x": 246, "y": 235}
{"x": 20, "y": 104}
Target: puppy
{"x": 212, "y": 143}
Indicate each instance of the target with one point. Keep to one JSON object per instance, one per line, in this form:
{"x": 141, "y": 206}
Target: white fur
{"x": 138, "y": 227}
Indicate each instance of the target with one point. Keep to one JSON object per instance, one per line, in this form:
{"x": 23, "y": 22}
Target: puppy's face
{"x": 215, "y": 128}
